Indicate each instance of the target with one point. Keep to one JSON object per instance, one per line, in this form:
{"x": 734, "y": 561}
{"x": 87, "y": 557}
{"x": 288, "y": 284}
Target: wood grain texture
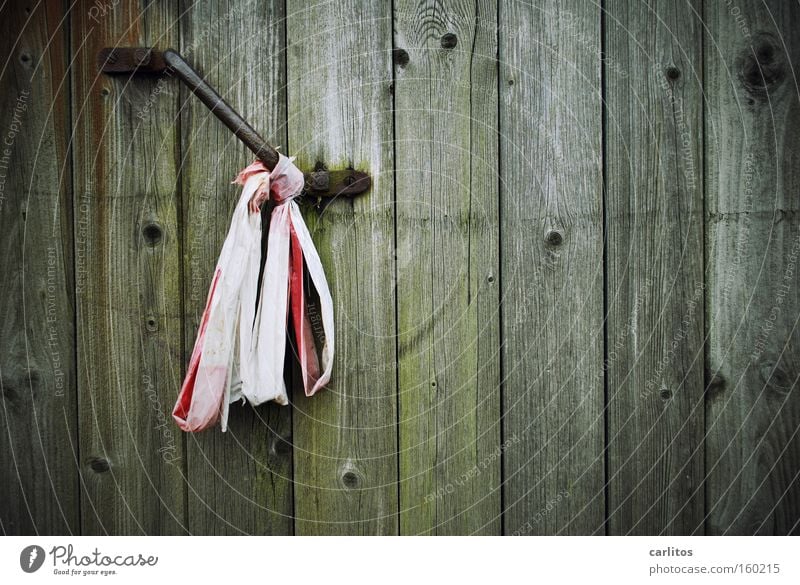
{"x": 654, "y": 215}
{"x": 447, "y": 266}
{"x": 239, "y": 481}
{"x": 469, "y": 283}
{"x": 38, "y": 420}
{"x": 752, "y": 57}
{"x": 128, "y": 277}
{"x": 552, "y": 271}
{"x": 345, "y": 440}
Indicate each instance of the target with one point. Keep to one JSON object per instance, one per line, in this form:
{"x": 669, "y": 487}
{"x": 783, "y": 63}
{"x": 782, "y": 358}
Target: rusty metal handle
{"x": 221, "y": 109}
{"x": 144, "y": 60}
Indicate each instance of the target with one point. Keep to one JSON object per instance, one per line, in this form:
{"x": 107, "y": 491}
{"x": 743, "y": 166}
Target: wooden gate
{"x": 568, "y": 304}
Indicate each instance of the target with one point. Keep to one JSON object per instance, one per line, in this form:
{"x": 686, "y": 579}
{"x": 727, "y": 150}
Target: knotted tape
{"x": 241, "y": 341}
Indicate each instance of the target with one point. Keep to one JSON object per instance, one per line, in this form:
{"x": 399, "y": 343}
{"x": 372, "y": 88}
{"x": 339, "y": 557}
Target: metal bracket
{"x": 143, "y": 60}
{"x": 130, "y": 60}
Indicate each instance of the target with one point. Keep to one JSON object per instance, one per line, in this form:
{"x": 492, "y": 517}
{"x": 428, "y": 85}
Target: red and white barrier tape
{"x": 239, "y": 350}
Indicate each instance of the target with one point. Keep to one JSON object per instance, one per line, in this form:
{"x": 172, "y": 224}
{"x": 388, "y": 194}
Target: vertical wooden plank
{"x": 447, "y": 267}
{"x": 38, "y": 435}
{"x": 345, "y": 457}
{"x": 752, "y": 55}
{"x": 552, "y": 271}
{"x": 239, "y": 481}
{"x": 127, "y": 276}
{"x": 654, "y": 213}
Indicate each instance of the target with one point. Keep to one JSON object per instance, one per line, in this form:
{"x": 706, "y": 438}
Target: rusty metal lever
{"x": 320, "y": 183}
{"x": 227, "y": 115}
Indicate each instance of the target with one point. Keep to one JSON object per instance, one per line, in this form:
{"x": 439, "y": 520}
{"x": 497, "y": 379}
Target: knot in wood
{"x": 449, "y": 41}
{"x": 99, "y": 464}
{"x": 672, "y": 73}
{"x": 350, "y": 480}
{"x": 761, "y": 66}
{"x": 554, "y": 237}
{"x": 400, "y": 57}
{"x": 715, "y": 386}
{"x": 152, "y": 234}
{"x": 350, "y": 476}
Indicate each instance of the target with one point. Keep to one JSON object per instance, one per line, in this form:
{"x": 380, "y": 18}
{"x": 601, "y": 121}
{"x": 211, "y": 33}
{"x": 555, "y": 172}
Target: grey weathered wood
{"x": 447, "y": 267}
{"x": 552, "y": 271}
{"x": 127, "y": 258}
{"x": 130, "y": 353}
{"x": 654, "y": 214}
{"x": 752, "y": 55}
{"x": 239, "y": 481}
{"x": 345, "y": 456}
{"x": 38, "y": 415}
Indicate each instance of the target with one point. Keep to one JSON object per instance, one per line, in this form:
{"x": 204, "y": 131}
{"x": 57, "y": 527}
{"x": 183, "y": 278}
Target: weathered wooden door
{"x": 567, "y": 305}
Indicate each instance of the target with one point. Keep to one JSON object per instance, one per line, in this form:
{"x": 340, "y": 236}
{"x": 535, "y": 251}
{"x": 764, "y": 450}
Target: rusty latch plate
{"x": 338, "y": 182}
{"x": 129, "y": 60}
